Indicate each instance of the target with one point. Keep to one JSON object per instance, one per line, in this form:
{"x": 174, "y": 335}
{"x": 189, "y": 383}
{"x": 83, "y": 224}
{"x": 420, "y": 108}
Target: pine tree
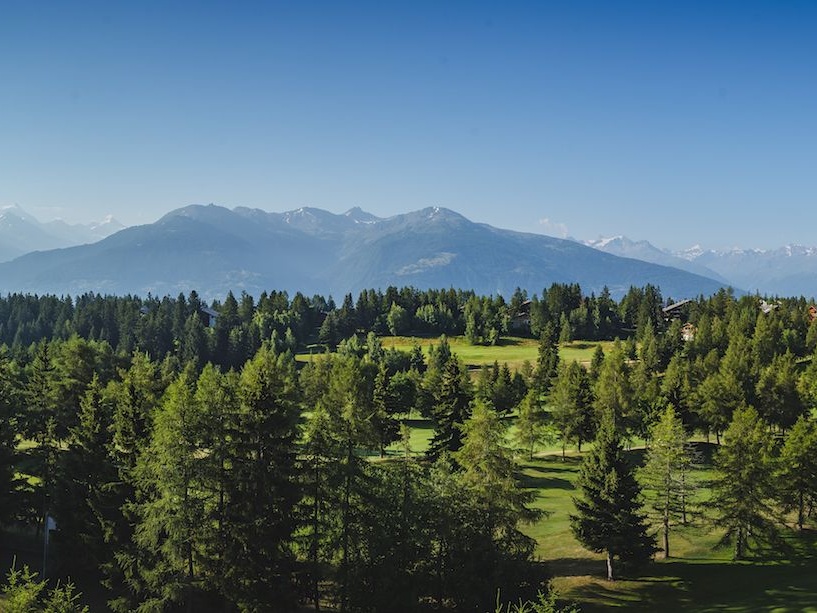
{"x": 547, "y": 361}
{"x": 488, "y": 477}
{"x": 83, "y": 475}
{"x": 135, "y": 400}
{"x": 608, "y": 512}
{"x": 41, "y": 424}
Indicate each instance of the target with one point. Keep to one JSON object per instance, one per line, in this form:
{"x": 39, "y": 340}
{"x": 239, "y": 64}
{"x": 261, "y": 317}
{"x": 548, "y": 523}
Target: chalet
{"x": 812, "y": 313}
{"x": 208, "y": 316}
{"x": 688, "y": 332}
{"x": 521, "y": 320}
{"x": 677, "y": 310}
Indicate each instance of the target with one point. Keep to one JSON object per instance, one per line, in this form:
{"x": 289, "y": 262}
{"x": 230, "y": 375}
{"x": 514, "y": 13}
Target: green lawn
{"x": 699, "y": 576}
{"x": 513, "y": 350}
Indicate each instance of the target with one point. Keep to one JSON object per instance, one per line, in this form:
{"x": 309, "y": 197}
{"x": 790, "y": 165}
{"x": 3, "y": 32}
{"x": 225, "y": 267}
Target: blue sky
{"x": 678, "y": 122}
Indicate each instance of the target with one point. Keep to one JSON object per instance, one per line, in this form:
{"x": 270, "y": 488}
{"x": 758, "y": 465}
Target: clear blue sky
{"x": 679, "y": 122}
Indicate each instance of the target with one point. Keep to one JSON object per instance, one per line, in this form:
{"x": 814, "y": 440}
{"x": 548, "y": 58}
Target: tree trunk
{"x": 344, "y": 565}
{"x": 739, "y": 544}
{"x": 800, "y": 510}
{"x": 666, "y": 531}
{"x": 316, "y": 585}
{"x": 610, "y": 566}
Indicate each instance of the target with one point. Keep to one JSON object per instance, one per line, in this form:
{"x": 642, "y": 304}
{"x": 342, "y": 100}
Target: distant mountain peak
{"x": 602, "y": 242}
{"x": 316, "y": 251}
{"x": 360, "y": 216}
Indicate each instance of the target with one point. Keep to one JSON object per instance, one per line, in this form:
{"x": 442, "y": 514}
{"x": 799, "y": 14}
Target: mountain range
{"x": 787, "y": 271}
{"x": 213, "y": 249}
{"x": 21, "y": 233}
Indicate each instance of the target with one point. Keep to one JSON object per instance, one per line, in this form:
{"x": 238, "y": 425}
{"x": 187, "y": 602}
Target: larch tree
{"x": 742, "y": 490}
{"x": 613, "y": 390}
{"x": 171, "y": 512}
{"x": 488, "y": 475}
{"x": 571, "y": 402}
{"x": 666, "y": 472}
{"x": 531, "y": 424}
{"x": 797, "y": 469}
{"x": 262, "y": 490}
{"x": 608, "y": 516}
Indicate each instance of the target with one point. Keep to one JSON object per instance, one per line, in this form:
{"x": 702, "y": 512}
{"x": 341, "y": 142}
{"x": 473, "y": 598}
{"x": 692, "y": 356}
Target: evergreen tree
{"x": 531, "y": 425}
{"x": 9, "y": 398}
{"x": 83, "y": 475}
{"x": 777, "y": 395}
{"x": 666, "y": 472}
{"x": 797, "y": 469}
{"x": 613, "y": 390}
{"x": 488, "y": 475}
{"x": 742, "y": 489}
{"x": 547, "y": 361}
{"x": 608, "y": 512}
{"x": 451, "y": 409}
{"x": 571, "y": 402}
{"x": 262, "y": 488}
{"x": 41, "y": 424}
{"x": 171, "y": 511}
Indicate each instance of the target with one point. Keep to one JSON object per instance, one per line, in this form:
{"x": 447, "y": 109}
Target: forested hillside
{"x": 190, "y": 462}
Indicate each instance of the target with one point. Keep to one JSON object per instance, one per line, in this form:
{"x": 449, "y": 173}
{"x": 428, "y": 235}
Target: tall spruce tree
{"x": 451, "y": 409}
{"x": 608, "y": 514}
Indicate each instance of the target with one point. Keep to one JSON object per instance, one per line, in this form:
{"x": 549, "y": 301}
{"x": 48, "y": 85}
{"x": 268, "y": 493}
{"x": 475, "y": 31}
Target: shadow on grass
{"x": 529, "y": 481}
{"x": 695, "y": 585}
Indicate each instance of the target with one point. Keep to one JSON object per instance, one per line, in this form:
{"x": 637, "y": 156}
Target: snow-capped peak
{"x": 601, "y": 242}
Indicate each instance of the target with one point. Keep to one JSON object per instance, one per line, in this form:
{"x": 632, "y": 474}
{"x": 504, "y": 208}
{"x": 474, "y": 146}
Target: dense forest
{"x": 191, "y": 463}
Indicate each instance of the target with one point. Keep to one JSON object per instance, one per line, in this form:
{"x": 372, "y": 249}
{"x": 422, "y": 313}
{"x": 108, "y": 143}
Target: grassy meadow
{"x": 514, "y": 351}
{"x": 699, "y": 576}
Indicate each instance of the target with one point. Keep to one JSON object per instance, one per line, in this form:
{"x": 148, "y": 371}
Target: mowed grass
{"x": 514, "y": 351}
{"x": 699, "y": 577}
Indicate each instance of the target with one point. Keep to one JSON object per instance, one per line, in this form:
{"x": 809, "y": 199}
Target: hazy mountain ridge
{"x": 790, "y": 270}
{"x": 22, "y": 233}
{"x": 214, "y": 249}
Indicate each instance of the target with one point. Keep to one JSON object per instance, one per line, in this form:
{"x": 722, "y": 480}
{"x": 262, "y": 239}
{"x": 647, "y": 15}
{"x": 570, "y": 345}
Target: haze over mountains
{"x": 213, "y": 249}
{"x": 787, "y": 271}
{"x": 21, "y": 233}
